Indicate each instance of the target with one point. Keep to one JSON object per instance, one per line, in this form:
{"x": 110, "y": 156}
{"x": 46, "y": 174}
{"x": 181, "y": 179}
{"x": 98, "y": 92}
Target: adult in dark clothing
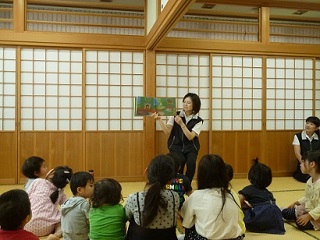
{"x": 307, "y": 140}
{"x": 183, "y": 130}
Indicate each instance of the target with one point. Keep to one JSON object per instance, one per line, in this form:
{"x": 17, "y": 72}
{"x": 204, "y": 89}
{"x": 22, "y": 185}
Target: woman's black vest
{"x": 306, "y": 145}
{"x": 177, "y": 141}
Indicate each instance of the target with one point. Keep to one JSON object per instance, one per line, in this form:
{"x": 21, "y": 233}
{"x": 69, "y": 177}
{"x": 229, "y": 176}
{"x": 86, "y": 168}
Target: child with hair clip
{"x": 46, "y": 196}
{"x": 211, "y": 212}
{"x": 306, "y": 211}
{"x": 32, "y": 168}
{"x": 75, "y": 211}
{"x": 153, "y": 212}
{"x": 261, "y": 214}
{"x": 107, "y": 216}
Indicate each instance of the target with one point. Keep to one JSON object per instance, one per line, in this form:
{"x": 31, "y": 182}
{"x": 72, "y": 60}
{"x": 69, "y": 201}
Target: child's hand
{"x": 304, "y": 219}
{"x": 294, "y": 204}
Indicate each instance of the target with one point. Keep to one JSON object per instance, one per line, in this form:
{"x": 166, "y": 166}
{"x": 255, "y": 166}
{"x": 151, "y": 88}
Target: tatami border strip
{"x": 309, "y": 234}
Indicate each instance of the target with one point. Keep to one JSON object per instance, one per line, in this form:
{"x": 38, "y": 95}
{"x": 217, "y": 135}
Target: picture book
{"x": 164, "y": 106}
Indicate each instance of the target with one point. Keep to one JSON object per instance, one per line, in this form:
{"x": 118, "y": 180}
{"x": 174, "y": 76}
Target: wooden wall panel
{"x": 8, "y": 158}
{"x": 56, "y": 148}
{"x": 121, "y": 155}
{"x": 279, "y": 151}
{"x": 272, "y": 148}
{"x": 116, "y": 155}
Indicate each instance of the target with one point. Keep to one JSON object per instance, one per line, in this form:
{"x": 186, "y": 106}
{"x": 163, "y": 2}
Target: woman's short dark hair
{"x": 14, "y": 208}
{"x": 313, "y": 119}
{"x": 106, "y": 191}
{"x": 31, "y": 165}
{"x": 80, "y": 179}
{"x": 196, "y": 102}
{"x": 260, "y": 174}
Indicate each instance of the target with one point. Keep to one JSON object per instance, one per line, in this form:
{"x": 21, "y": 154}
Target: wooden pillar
{"x": 264, "y": 24}
{"x": 149, "y": 123}
{"x": 19, "y": 15}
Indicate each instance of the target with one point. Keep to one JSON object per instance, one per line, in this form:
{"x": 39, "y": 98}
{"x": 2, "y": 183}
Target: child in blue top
{"x": 75, "y": 211}
{"x": 180, "y": 183}
{"x": 261, "y": 214}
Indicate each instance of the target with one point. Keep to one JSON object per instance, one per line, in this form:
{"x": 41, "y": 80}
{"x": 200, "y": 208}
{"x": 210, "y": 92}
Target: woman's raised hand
{"x": 156, "y": 116}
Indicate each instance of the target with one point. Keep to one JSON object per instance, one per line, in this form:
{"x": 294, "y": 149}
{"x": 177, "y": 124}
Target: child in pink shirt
{"x": 46, "y": 195}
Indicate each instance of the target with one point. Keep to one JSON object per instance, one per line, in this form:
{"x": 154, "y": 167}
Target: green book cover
{"x": 164, "y": 106}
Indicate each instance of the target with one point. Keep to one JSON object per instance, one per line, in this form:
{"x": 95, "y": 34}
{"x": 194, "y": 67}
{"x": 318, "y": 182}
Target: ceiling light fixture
{"x": 208, "y": 6}
{"x": 300, "y": 12}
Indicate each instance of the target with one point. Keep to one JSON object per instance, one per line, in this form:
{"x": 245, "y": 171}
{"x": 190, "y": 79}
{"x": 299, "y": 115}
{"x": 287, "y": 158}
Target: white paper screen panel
{"x": 7, "y": 88}
{"x": 236, "y": 92}
{"x": 317, "y": 87}
{"x": 51, "y": 89}
{"x": 178, "y": 74}
{"x": 113, "y": 79}
{"x": 289, "y": 92}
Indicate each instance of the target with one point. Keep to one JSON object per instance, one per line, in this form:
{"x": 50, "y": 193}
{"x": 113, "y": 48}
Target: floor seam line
{"x": 309, "y": 234}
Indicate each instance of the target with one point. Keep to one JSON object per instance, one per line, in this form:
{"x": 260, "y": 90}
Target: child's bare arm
{"x": 293, "y": 204}
{"x": 244, "y": 203}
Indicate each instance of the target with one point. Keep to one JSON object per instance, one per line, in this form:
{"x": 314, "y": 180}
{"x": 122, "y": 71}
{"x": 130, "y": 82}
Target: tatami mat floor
{"x": 285, "y": 189}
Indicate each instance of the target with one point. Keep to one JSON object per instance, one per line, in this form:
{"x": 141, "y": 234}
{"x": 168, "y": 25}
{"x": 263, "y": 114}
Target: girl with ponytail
{"x": 46, "y": 196}
{"x": 152, "y": 213}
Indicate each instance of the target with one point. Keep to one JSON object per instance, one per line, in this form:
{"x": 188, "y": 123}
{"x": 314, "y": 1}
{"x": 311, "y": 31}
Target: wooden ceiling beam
{"x": 170, "y": 15}
{"x": 303, "y": 5}
{"x": 96, "y": 5}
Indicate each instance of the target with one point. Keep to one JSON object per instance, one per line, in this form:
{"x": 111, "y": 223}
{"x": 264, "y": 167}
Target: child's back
{"x": 14, "y": 214}
{"x": 45, "y": 197}
{"x": 107, "y": 216}
{"x": 259, "y": 206}
{"x": 180, "y": 183}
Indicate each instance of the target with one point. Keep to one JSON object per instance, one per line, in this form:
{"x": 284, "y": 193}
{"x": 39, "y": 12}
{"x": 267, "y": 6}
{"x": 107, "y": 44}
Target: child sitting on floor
{"x": 14, "y": 214}
{"x": 46, "y": 196}
{"x": 306, "y": 211}
{"x": 32, "y": 168}
{"x": 180, "y": 183}
{"x": 261, "y": 214}
{"x": 107, "y": 216}
{"x": 75, "y": 211}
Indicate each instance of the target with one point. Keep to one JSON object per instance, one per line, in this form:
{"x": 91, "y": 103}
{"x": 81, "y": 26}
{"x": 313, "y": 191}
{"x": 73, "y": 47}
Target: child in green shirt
{"x": 107, "y": 216}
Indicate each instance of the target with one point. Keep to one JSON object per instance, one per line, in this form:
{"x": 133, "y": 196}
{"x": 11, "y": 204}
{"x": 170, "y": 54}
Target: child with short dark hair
{"x": 75, "y": 211}
{"x": 14, "y": 214}
{"x": 305, "y": 211}
{"x": 32, "y": 168}
{"x": 107, "y": 216}
{"x": 180, "y": 183}
{"x": 261, "y": 214}
{"x": 46, "y": 196}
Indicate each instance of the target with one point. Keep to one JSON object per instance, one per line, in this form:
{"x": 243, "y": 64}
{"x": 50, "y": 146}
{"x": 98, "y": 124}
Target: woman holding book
{"x": 184, "y": 130}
